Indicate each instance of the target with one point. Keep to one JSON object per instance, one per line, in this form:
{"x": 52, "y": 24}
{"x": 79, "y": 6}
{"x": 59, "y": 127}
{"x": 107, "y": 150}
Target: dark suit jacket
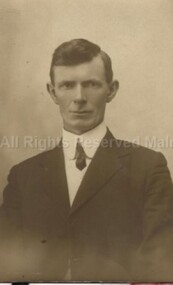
{"x": 119, "y": 228}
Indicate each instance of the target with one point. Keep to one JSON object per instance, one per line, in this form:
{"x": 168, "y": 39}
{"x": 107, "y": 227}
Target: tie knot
{"x": 79, "y": 148}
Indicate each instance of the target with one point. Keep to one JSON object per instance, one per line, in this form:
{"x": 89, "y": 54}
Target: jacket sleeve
{"x": 10, "y": 211}
{"x": 10, "y": 229}
{"x": 155, "y": 256}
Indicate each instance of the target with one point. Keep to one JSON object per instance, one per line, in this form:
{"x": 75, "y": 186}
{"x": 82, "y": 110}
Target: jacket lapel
{"x": 54, "y": 178}
{"x": 106, "y": 162}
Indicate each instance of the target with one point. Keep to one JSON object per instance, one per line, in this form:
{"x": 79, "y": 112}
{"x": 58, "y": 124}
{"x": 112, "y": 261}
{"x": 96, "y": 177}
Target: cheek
{"x": 99, "y": 103}
{"x": 64, "y": 104}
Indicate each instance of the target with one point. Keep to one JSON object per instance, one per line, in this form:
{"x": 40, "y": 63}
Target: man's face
{"x": 81, "y": 91}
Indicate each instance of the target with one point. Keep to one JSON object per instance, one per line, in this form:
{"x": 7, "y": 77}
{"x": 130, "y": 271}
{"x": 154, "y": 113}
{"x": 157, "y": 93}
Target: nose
{"x": 80, "y": 96}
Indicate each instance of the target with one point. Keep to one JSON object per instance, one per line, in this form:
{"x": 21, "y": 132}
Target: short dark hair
{"x": 79, "y": 51}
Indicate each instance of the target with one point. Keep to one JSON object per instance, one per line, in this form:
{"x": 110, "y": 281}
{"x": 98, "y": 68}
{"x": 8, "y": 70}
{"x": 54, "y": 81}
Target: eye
{"x": 67, "y": 85}
{"x": 92, "y": 84}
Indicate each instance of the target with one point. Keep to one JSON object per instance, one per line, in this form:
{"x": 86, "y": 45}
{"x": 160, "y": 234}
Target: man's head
{"x": 81, "y": 84}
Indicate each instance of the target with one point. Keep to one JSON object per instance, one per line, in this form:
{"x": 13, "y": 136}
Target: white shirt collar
{"x": 89, "y": 140}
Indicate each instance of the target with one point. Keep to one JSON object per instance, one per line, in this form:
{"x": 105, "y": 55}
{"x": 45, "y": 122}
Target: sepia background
{"x": 137, "y": 34}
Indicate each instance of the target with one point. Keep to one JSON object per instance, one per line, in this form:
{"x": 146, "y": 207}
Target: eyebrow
{"x": 84, "y": 81}
{"x": 73, "y": 82}
{"x": 92, "y": 80}
{"x": 66, "y": 81}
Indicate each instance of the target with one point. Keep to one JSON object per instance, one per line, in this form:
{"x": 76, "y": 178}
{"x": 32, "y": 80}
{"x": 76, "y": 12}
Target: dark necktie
{"x": 80, "y": 156}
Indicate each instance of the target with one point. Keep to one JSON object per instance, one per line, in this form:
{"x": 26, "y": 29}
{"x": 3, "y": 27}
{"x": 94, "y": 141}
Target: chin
{"x": 79, "y": 129}
{"x": 80, "y": 126}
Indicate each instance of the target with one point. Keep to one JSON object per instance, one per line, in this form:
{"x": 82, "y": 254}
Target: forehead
{"x": 93, "y": 69}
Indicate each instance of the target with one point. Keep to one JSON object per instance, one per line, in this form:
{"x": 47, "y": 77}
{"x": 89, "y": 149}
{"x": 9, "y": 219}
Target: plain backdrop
{"x": 137, "y": 34}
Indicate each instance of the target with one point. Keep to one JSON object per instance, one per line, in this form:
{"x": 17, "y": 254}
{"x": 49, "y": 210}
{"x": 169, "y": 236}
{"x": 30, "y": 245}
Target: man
{"x": 94, "y": 208}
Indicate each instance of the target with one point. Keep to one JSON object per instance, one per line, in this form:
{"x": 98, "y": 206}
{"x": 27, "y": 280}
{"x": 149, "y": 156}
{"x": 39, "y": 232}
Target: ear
{"x": 51, "y": 90}
{"x": 113, "y": 88}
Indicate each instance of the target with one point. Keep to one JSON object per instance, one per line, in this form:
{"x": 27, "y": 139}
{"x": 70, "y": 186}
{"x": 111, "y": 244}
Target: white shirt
{"x": 90, "y": 142}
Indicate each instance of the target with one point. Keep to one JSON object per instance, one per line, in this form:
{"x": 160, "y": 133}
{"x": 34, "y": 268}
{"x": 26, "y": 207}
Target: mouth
{"x": 80, "y": 112}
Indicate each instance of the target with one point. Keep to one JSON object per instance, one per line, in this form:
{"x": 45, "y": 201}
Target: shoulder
{"x": 145, "y": 164}
{"x": 38, "y": 160}
{"x": 139, "y": 159}
{"x": 135, "y": 150}
{"x": 141, "y": 153}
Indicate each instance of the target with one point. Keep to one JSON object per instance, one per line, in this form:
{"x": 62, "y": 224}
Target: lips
{"x": 80, "y": 112}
